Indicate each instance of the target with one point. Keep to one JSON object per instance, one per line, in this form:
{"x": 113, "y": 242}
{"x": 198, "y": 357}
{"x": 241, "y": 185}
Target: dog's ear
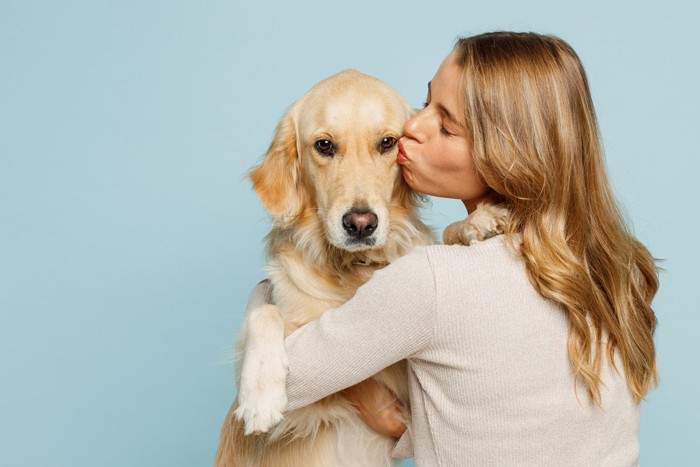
{"x": 275, "y": 178}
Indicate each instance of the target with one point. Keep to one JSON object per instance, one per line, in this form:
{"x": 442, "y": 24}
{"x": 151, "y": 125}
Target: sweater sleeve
{"x": 403, "y": 449}
{"x": 390, "y": 318}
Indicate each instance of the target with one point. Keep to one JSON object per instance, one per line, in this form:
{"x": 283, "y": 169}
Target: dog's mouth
{"x": 356, "y": 243}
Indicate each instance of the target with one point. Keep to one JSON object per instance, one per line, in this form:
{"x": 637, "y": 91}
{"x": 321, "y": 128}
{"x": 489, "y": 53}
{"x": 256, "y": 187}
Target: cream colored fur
{"x": 485, "y": 222}
{"x": 314, "y": 265}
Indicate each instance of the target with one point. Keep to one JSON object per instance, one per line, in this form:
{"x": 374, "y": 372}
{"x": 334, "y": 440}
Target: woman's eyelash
{"x": 425, "y": 104}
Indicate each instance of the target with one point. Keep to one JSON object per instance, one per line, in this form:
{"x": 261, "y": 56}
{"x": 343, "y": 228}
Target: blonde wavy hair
{"x": 535, "y": 142}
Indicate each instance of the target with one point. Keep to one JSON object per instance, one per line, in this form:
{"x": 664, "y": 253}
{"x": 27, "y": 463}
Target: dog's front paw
{"x": 262, "y": 397}
{"x": 261, "y": 408}
{"x": 486, "y": 221}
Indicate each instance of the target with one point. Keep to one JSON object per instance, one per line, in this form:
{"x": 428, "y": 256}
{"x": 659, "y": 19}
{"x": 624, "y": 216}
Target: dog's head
{"x": 334, "y": 153}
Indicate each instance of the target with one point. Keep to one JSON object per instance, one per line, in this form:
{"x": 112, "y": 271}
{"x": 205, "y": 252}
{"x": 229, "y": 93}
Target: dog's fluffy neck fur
{"x": 308, "y": 262}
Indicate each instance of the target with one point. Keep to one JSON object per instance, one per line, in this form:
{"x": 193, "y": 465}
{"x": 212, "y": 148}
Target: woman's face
{"x": 434, "y": 153}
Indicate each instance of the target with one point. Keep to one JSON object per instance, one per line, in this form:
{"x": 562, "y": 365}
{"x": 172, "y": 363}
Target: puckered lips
{"x": 401, "y": 157}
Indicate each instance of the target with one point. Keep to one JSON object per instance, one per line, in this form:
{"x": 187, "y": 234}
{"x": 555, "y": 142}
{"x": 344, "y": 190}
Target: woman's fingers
{"x": 378, "y": 406}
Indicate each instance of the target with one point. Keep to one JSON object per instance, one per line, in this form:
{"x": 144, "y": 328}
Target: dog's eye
{"x": 325, "y": 147}
{"x": 387, "y": 143}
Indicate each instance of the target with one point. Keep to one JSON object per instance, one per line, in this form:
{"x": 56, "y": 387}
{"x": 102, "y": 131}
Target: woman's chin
{"x": 409, "y": 178}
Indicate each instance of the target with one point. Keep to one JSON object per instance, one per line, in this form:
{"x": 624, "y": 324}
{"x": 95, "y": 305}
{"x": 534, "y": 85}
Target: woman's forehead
{"x": 445, "y": 89}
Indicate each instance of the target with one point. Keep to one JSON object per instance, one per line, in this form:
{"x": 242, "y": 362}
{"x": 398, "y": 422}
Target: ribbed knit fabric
{"x": 489, "y": 373}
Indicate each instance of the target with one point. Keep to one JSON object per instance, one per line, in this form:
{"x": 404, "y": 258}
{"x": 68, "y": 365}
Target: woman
{"x": 534, "y": 347}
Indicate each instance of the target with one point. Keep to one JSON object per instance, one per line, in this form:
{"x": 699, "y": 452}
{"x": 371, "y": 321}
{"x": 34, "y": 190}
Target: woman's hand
{"x": 378, "y": 407}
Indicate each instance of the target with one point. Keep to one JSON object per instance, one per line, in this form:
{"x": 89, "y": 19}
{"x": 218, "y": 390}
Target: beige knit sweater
{"x": 489, "y": 373}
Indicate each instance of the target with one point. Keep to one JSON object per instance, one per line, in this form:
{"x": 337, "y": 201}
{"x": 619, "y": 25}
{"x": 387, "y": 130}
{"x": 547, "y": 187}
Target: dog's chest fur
{"x": 309, "y": 277}
{"x": 303, "y": 292}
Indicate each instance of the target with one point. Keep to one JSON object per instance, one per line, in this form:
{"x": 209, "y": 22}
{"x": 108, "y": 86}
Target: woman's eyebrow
{"x": 444, "y": 110}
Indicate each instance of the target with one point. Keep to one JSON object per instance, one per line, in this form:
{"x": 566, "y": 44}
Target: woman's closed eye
{"x": 444, "y": 131}
{"x": 442, "y": 128}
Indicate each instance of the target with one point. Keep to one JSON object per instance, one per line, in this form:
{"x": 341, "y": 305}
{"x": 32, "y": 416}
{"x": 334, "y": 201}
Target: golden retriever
{"x": 341, "y": 211}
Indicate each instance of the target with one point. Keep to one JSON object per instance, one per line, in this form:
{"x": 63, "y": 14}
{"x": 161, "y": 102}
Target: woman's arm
{"x": 389, "y": 319}
{"x": 377, "y": 404}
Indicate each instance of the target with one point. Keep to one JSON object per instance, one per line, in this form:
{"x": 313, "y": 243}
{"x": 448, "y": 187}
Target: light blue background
{"x": 129, "y": 240}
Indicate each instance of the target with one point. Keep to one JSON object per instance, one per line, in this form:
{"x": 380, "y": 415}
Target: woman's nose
{"x": 412, "y": 128}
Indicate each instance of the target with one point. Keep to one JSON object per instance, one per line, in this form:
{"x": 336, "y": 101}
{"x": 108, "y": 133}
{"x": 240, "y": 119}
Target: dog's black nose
{"x": 360, "y": 224}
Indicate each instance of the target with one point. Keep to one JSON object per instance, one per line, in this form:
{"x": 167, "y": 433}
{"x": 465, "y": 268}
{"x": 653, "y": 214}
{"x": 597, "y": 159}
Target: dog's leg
{"x": 486, "y": 221}
{"x": 262, "y": 395}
